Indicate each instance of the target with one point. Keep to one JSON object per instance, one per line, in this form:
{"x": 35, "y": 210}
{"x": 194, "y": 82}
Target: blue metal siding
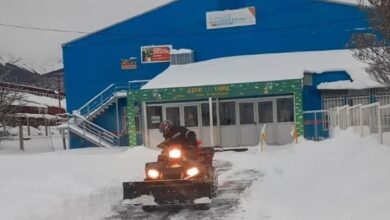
{"x": 92, "y": 63}
{"x": 312, "y": 97}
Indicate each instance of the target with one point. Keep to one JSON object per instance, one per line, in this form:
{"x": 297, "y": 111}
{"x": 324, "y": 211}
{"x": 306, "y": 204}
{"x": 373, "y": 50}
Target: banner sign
{"x": 156, "y": 54}
{"x": 129, "y": 64}
{"x": 231, "y": 18}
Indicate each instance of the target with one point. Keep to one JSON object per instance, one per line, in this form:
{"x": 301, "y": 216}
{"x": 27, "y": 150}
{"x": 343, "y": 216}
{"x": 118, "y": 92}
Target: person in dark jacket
{"x": 175, "y": 134}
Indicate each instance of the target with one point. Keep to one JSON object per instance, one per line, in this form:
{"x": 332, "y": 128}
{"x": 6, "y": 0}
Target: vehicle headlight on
{"x": 192, "y": 172}
{"x": 153, "y": 173}
{"x": 175, "y": 153}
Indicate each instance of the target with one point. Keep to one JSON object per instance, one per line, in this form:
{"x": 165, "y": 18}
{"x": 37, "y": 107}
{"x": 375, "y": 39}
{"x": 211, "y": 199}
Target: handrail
{"x": 97, "y": 96}
{"x": 87, "y": 126}
{"x": 105, "y": 95}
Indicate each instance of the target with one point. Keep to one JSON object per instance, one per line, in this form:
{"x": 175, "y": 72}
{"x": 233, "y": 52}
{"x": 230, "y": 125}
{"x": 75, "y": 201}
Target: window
{"x": 307, "y": 79}
{"x": 285, "y": 110}
{"x": 246, "y": 113}
{"x": 154, "y": 116}
{"x": 227, "y": 113}
{"x": 206, "y": 114}
{"x": 191, "y": 116}
{"x": 266, "y": 114}
{"x": 173, "y": 115}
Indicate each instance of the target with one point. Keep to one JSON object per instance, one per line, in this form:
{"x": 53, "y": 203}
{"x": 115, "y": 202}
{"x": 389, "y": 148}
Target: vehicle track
{"x": 223, "y": 205}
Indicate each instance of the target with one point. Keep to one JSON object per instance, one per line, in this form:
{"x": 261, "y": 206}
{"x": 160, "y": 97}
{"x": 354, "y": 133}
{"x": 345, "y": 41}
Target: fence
{"x": 372, "y": 119}
{"x": 316, "y": 124}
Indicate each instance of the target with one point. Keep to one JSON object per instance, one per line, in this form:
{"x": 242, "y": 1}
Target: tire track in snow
{"x": 224, "y": 204}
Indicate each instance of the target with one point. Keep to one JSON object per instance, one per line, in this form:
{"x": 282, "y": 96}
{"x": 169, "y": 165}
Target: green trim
{"x": 252, "y": 89}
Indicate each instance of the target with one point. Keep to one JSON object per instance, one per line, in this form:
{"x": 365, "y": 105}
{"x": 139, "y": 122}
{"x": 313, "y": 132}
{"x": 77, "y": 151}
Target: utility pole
{"x": 59, "y": 93}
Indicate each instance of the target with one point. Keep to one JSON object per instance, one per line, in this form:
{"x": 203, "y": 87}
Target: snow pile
{"x": 346, "y": 177}
{"x": 343, "y": 178}
{"x": 76, "y": 184}
{"x": 262, "y": 68}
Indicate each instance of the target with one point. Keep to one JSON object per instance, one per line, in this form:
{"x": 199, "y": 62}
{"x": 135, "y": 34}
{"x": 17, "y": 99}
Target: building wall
{"x": 312, "y": 96}
{"x": 92, "y": 63}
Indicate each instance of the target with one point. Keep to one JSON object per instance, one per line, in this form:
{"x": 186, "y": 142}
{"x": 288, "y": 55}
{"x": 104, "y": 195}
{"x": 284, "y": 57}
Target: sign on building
{"x": 156, "y": 54}
{"x": 129, "y": 64}
{"x": 231, "y": 18}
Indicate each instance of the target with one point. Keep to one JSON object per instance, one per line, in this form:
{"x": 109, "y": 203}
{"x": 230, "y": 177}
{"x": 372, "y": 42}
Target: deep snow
{"x": 347, "y": 177}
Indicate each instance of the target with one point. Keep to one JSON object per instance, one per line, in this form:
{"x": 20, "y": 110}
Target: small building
{"x": 248, "y": 92}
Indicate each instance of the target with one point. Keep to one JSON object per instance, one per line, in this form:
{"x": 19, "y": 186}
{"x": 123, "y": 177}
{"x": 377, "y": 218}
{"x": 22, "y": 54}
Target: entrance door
{"x": 267, "y": 117}
{"x": 172, "y": 113}
{"x": 247, "y": 125}
{"x": 192, "y": 119}
{"x": 285, "y": 120}
{"x": 154, "y": 118}
{"x": 228, "y": 124}
{"x": 205, "y": 119}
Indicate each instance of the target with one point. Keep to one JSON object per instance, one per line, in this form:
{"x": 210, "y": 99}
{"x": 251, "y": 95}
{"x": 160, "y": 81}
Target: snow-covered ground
{"x": 347, "y": 177}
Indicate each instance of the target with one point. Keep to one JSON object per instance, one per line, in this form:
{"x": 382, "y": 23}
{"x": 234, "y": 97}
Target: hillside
{"x": 16, "y": 74}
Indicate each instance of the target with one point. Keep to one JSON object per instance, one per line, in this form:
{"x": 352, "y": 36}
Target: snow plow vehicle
{"x": 180, "y": 177}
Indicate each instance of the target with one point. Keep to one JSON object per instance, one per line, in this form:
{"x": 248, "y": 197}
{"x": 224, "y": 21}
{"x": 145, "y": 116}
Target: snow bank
{"x": 343, "y": 178}
{"x": 347, "y": 177}
{"x": 75, "y": 184}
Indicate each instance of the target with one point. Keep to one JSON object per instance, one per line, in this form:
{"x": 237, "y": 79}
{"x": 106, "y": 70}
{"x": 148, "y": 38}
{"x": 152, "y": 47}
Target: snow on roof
{"x": 41, "y": 101}
{"x": 181, "y": 51}
{"x": 348, "y": 2}
{"x": 262, "y": 68}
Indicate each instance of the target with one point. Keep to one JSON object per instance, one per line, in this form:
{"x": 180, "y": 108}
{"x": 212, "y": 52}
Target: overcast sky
{"x": 41, "y": 50}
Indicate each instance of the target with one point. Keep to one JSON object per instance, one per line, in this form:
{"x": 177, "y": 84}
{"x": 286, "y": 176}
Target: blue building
{"x": 102, "y": 66}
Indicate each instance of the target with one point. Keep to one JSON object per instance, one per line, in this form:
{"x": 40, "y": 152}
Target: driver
{"x": 176, "y": 134}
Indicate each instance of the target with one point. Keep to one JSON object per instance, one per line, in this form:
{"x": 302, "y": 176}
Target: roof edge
{"x": 118, "y": 23}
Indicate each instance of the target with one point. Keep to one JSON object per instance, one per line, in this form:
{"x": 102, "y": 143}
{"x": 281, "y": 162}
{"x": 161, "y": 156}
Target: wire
{"x": 43, "y": 29}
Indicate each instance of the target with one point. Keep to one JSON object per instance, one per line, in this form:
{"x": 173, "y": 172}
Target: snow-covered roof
{"x": 262, "y": 68}
{"x": 347, "y": 2}
{"x": 39, "y": 101}
{"x": 181, "y": 51}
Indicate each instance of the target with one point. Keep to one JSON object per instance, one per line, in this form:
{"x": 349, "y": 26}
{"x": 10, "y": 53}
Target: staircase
{"x": 90, "y": 131}
{"x": 80, "y": 121}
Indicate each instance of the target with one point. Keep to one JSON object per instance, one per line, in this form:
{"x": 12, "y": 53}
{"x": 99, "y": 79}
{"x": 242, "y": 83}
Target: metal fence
{"x": 372, "y": 119}
{"x": 316, "y": 124}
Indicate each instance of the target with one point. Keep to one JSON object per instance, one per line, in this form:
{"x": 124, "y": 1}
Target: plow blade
{"x": 169, "y": 191}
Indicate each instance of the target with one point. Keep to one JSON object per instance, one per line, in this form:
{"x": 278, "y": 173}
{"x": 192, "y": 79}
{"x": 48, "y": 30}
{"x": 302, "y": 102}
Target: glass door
{"x": 266, "y": 119}
{"x": 247, "y": 124}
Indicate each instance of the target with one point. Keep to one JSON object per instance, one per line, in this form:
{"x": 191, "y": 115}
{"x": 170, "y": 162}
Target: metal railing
{"x": 91, "y": 131}
{"x": 371, "y": 119}
{"x": 107, "y": 95}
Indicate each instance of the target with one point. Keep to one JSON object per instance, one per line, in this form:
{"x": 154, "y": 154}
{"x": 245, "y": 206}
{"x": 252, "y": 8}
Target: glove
{"x": 163, "y": 145}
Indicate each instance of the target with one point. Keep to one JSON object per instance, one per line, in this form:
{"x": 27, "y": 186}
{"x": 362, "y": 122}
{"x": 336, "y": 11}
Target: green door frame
{"x": 238, "y": 90}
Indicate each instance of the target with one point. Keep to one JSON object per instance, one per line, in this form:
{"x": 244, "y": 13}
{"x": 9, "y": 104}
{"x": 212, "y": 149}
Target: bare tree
{"x": 373, "y": 48}
{"x": 10, "y": 101}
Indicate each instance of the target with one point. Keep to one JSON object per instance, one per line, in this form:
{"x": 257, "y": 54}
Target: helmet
{"x": 165, "y": 126}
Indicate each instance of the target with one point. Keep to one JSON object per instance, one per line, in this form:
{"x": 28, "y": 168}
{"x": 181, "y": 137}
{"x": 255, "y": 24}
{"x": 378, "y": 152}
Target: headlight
{"x": 174, "y": 153}
{"x": 192, "y": 172}
{"x": 152, "y": 173}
